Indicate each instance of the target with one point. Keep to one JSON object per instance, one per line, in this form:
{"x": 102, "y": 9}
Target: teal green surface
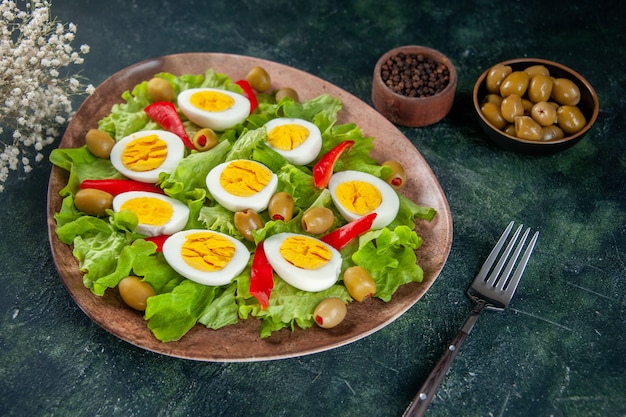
{"x": 558, "y": 350}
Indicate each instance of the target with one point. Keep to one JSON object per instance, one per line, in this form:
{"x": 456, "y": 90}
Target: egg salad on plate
{"x": 229, "y": 205}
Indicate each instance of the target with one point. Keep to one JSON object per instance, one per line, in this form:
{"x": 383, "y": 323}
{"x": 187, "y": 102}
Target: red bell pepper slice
{"x": 165, "y": 114}
{"x": 249, "y": 94}
{"x": 158, "y": 241}
{"x": 340, "y": 237}
{"x": 261, "y": 277}
{"x": 118, "y": 186}
{"x": 323, "y": 169}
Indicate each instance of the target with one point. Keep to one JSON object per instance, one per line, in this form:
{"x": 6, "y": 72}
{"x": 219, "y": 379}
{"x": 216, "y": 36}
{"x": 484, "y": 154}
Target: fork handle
{"x": 426, "y": 393}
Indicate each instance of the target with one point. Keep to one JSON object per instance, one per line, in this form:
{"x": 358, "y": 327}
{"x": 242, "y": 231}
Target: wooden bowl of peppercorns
{"x": 414, "y": 86}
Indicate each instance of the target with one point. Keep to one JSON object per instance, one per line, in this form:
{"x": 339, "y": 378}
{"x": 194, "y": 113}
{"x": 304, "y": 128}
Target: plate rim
{"x": 59, "y": 254}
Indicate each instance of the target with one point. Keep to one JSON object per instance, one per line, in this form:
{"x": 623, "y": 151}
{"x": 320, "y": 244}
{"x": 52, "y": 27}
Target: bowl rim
{"x": 535, "y": 61}
{"x": 433, "y": 53}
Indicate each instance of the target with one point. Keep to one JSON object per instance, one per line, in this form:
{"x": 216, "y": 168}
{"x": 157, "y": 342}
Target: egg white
{"x": 218, "y": 121}
{"x": 176, "y": 222}
{"x": 175, "y": 152}
{"x": 172, "y": 253}
{"x": 385, "y": 212}
{"x": 312, "y": 280}
{"x": 308, "y": 150}
{"x": 257, "y": 202}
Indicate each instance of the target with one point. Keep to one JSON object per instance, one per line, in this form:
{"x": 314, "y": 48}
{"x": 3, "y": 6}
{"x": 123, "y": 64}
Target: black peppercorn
{"x": 415, "y": 75}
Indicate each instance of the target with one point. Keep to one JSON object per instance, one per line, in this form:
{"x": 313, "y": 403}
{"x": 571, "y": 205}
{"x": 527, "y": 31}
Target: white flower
{"x": 35, "y": 99}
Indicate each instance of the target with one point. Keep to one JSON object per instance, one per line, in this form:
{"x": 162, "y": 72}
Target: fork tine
{"x": 484, "y": 270}
{"x": 503, "y": 280}
{"x": 512, "y": 285}
{"x": 494, "y": 277}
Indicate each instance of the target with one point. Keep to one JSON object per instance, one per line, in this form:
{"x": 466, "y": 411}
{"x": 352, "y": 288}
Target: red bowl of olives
{"x": 534, "y": 106}
{"x": 413, "y": 85}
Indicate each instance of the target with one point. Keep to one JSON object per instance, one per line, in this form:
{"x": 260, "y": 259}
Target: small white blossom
{"x": 35, "y": 101}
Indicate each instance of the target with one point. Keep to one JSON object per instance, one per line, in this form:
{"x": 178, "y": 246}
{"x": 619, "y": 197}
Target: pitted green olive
{"x": 493, "y": 98}
{"x": 99, "y": 143}
{"x": 281, "y": 206}
{"x": 397, "y": 178}
{"x": 495, "y": 76}
{"x": 93, "y": 202}
{"x": 246, "y": 222}
{"x": 537, "y": 70}
{"x": 204, "y": 139}
{"x": 511, "y": 107}
{"x": 160, "y": 90}
{"x": 527, "y": 128}
{"x": 565, "y": 92}
{"x": 135, "y": 292}
{"x": 515, "y": 83}
{"x": 359, "y": 282}
{"x": 493, "y": 114}
{"x": 570, "y": 119}
{"x": 551, "y": 132}
{"x": 317, "y": 220}
{"x": 330, "y": 312}
{"x": 543, "y": 113}
{"x": 259, "y": 79}
{"x": 286, "y": 92}
{"x": 540, "y": 88}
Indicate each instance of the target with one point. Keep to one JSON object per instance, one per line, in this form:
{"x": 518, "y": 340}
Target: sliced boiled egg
{"x": 214, "y": 108}
{"x": 143, "y": 155}
{"x": 297, "y": 140}
{"x": 302, "y": 261}
{"x": 206, "y": 257}
{"x": 242, "y": 184}
{"x": 356, "y": 194}
{"x": 157, "y": 214}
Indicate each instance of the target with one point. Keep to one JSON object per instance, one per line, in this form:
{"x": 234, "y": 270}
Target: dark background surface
{"x": 557, "y": 351}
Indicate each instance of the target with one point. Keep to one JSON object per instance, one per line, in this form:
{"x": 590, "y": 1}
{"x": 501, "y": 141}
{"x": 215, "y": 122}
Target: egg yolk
{"x": 358, "y": 197}
{"x": 244, "y": 178}
{"x": 304, "y": 252}
{"x": 211, "y": 101}
{"x": 287, "y": 137}
{"x": 208, "y": 251}
{"x": 144, "y": 154}
{"x": 149, "y": 210}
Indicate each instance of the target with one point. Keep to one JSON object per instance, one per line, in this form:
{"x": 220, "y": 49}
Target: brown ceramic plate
{"x": 241, "y": 342}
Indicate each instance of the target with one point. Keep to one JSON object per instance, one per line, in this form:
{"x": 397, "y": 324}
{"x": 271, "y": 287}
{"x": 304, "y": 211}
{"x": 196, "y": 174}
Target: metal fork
{"x": 491, "y": 291}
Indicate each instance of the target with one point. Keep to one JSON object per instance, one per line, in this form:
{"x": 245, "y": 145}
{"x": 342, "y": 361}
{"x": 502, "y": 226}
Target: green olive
{"x": 537, "y": 70}
{"x": 493, "y": 114}
{"x": 570, "y": 119}
{"x": 397, "y": 178}
{"x": 359, "y": 282}
{"x": 527, "y": 128}
{"x": 509, "y": 129}
{"x": 528, "y": 105}
{"x": 160, "y": 90}
{"x": 543, "y": 113}
{"x": 551, "y": 132}
{"x": 204, "y": 139}
{"x": 317, "y": 220}
{"x": 565, "y": 92}
{"x": 495, "y": 76}
{"x": 511, "y": 107}
{"x": 540, "y": 88}
{"x": 135, "y": 292}
{"x": 99, "y": 143}
{"x": 246, "y": 222}
{"x": 93, "y": 202}
{"x": 280, "y": 206}
{"x": 330, "y": 312}
{"x": 514, "y": 83}
{"x": 259, "y": 79}
{"x": 493, "y": 98}
{"x": 286, "y": 92}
